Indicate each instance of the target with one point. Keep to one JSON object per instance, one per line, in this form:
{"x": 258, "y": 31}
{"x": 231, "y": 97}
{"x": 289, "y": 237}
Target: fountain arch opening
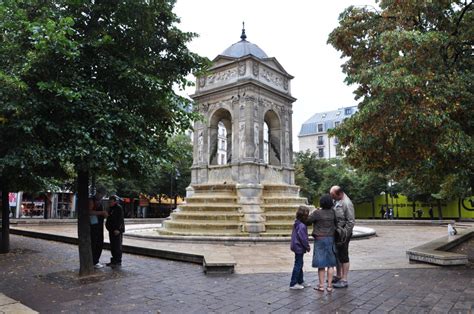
{"x": 273, "y": 134}
{"x": 220, "y": 137}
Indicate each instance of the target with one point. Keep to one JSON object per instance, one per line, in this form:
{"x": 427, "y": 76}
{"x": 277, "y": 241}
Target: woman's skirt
{"x": 324, "y": 253}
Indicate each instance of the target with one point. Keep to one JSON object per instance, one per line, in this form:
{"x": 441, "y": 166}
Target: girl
{"x": 299, "y": 245}
{"x": 324, "y": 226}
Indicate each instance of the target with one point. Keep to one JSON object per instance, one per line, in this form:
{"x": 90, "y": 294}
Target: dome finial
{"x": 243, "y": 36}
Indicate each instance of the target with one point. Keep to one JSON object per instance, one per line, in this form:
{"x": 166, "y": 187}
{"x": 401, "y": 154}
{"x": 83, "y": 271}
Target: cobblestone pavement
{"x": 42, "y": 275}
{"x": 385, "y": 251}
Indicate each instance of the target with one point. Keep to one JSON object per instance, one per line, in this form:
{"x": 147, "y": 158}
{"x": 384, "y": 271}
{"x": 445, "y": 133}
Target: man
{"x": 116, "y": 226}
{"x": 97, "y": 213}
{"x": 345, "y": 219}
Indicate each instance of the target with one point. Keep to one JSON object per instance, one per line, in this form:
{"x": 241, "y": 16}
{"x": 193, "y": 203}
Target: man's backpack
{"x": 340, "y": 235}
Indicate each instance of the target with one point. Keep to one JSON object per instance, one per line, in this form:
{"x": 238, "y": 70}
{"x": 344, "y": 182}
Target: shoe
{"x": 113, "y": 264}
{"x": 319, "y": 288}
{"x": 305, "y": 284}
{"x": 98, "y": 265}
{"x": 296, "y": 287}
{"x": 341, "y": 284}
{"x": 335, "y": 279}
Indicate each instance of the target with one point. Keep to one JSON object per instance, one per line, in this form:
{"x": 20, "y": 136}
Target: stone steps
{"x": 203, "y": 233}
{"x": 276, "y": 208}
{"x": 279, "y": 225}
{"x": 206, "y": 215}
{"x": 283, "y": 217}
{"x": 201, "y": 225}
{"x": 276, "y": 233}
{"x": 216, "y": 207}
{"x": 284, "y": 200}
{"x": 279, "y": 190}
{"x": 209, "y": 199}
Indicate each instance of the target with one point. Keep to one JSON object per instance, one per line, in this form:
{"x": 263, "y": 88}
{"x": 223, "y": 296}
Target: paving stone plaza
{"x": 42, "y": 275}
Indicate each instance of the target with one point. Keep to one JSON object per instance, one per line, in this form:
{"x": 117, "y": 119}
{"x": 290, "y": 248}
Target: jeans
{"x": 297, "y": 275}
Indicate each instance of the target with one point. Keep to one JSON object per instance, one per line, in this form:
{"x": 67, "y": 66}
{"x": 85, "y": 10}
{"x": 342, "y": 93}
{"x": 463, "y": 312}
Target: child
{"x": 299, "y": 245}
{"x": 324, "y": 228}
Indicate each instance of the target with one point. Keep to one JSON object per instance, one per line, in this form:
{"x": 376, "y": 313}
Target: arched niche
{"x": 220, "y": 143}
{"x": 272, "y": 128}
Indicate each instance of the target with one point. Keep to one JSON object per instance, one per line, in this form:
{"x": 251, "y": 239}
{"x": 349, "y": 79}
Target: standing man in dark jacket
{"x": 116, "y": 226}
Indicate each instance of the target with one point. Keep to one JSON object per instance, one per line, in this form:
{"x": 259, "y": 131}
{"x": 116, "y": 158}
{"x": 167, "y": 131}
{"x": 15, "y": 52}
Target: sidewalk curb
{"x": 210, "y": 263}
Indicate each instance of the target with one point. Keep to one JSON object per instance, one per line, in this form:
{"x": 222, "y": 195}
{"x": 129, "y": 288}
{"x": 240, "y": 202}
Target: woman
{"x": 324, "y": 226}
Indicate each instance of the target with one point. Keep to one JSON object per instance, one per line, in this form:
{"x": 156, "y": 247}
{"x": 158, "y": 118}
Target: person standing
{"x": 116, "y": 226}
{"x": 299, "y": 245}
{"x": 344, "y": 210}
{"x": 324, "y": 228}
{"x": 97, "y": 214}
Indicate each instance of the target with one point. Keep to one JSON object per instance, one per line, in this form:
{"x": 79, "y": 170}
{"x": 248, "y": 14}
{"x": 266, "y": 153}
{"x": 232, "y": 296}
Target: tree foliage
{"x": 91, "y": 84}
{"x": 413, "y": 67}
{"x": 315, "y": 177}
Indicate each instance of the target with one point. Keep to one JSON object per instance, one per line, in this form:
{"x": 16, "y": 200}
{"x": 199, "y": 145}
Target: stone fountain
{"x": 242, "y": 174}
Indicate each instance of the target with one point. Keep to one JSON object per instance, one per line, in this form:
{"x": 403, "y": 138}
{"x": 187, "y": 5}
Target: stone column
{"x": 249, "y": 197}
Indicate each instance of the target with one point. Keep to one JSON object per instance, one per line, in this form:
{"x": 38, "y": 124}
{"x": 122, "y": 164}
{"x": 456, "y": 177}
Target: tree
{"x": 315, "y": 177}
{"x": 309, "y": 173}
{"x": 98, "y": 80}
{"x": 412, "y": 64}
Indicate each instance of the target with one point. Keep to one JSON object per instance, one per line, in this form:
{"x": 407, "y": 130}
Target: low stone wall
{"x": 436, "y": 251}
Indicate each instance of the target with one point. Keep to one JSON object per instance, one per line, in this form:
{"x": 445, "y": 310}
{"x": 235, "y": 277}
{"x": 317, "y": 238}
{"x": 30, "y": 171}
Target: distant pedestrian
{"x": 116, "y": 226}
{"x": 345, "y": 219}
{"x": 382, "y": 212}
{"x": 430, "y": 212}
{"x": 299, "y": 245}
{"x": 97, "y": 214}
{"x": 324, "y": 252}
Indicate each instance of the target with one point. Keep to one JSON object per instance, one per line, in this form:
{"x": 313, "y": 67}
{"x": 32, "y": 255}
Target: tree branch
{"x": 466, "y": 8}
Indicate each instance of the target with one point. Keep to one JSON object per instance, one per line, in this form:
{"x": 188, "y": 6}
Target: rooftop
{"x": 310, "y": 125}
{"x": 243, "y": 48}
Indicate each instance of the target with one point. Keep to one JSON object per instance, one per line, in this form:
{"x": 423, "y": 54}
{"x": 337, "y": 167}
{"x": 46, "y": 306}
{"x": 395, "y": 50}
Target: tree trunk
{"x": 373, "y": 208}
{"x": 83, "y": 224}
{"x": 5, "y": 245}
{"x": 440, "y": 210}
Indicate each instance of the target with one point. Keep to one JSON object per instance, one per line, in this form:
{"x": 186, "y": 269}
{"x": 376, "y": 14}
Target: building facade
{"x": 44, "y": 205}
{"x": 314, "y": 135}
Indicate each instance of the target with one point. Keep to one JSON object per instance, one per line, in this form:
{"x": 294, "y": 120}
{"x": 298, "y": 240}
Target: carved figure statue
{"x": 242, "y": 139}
{"x": 256, "y": 139}
{"x": 200, "y": 146}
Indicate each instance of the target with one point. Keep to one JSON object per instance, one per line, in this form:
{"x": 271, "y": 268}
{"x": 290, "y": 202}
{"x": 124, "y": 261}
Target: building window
{"x": 320, "y": 127}
{"x": 320, "y": 140}
{"x": 336, "y": 123}
{"x": 348, "y": 111}
{"x": 321, "y": 152}
{"x": 336, "y": 140}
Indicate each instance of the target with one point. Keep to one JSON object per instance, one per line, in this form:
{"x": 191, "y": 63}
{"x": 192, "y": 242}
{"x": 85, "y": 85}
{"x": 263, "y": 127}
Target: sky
{"x": 294, "y": 32}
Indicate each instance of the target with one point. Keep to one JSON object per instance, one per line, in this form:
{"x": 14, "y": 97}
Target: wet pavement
{"x": 43, "y": 276}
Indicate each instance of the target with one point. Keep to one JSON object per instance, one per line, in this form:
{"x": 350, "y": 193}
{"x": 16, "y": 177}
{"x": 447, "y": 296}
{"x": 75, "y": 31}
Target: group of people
{"x": 332, "y": 224}
{"x": 386, "y": 214}
{"x": 115, "y": 225}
